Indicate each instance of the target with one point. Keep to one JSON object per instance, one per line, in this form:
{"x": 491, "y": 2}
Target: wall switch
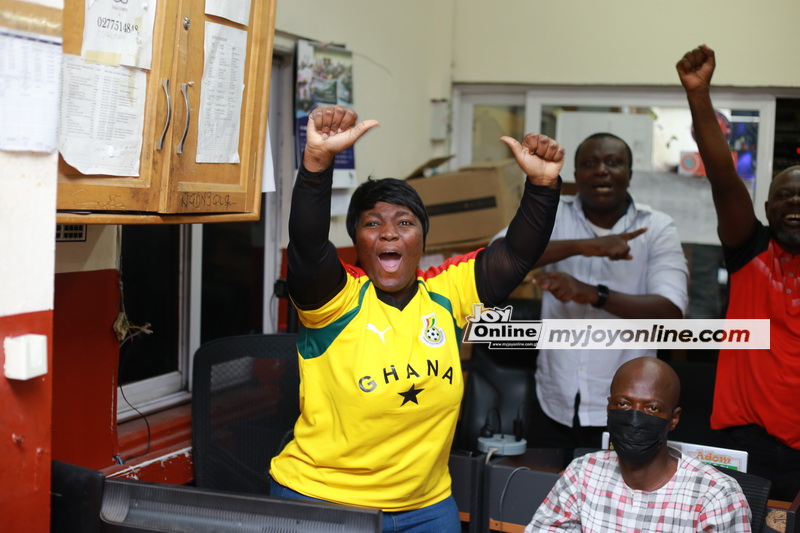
{"x": 26, "y": 356}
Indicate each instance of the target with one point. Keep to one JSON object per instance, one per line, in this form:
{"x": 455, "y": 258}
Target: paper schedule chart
{"x": 30, "y": 77}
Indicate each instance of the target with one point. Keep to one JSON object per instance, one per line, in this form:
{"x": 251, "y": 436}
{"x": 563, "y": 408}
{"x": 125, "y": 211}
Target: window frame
{"x": 174, "y": 388}
{"x": 466, "y": 96}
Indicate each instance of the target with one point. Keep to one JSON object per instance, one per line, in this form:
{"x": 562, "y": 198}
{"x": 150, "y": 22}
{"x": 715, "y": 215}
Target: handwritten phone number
{"x": 116, "y": 25}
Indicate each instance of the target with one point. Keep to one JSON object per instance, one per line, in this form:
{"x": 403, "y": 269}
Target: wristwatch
{"x": 602, "y": 296}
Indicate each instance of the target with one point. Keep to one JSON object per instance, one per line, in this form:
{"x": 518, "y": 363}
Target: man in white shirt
{"x": 608, "y": 257}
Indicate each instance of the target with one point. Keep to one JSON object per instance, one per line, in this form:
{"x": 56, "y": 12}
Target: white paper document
{"x": 221, "y": 94}
{"x": 119, "y": 32}
{"x": 236, "y": 10}
{"x": 30, "y": 76}
{"x": 57, "y": 4}
{"x": 340, "y": 201}
{"x": 102, "y": 117}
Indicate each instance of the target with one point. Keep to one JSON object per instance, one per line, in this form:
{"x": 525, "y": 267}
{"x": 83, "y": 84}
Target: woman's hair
{"x": 391, "y": 191}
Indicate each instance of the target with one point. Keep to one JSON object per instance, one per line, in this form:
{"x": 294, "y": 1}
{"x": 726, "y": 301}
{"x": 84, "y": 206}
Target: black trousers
{"x": 766, "y": 457}
{"x": 544, "y": 432}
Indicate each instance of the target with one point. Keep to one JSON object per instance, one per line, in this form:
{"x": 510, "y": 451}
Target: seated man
{"x": 642, "y": 485}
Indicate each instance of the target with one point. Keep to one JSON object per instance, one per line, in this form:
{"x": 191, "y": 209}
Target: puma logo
{"x": 371, "y": 327}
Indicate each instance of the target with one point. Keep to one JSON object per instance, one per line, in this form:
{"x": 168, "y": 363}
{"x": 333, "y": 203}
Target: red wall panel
{"x": 85, "y": 368}
{"x": 25, "y": 449}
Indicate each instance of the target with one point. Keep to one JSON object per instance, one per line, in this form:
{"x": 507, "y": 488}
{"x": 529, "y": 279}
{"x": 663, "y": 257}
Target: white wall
{"x": 100, "y": 251}
{"x": 27, "y": 240}
{"x": 407, "y": 53}
{"x": 401, "y": 60}
{"x": 624, "y": 42}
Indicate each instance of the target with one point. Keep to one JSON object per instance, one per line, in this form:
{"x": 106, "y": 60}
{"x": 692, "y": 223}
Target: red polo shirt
{"x": 762, "y": 386}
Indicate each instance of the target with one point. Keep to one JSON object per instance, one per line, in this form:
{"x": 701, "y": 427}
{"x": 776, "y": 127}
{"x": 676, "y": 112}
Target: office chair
{"x": 697, "y": 395}
{"x": 495, "y": 396}
{"x": 756, "y": 492}
{"x": 499, "y": 387}
{"x": 245, "y": 401}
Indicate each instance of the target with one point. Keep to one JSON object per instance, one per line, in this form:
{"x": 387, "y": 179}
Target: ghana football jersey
{"x": 377, "y": 423}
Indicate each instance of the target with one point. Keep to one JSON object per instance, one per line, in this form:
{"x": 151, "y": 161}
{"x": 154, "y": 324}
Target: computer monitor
{"x": 76, "y": 494}
{"x": 130, "y": 506}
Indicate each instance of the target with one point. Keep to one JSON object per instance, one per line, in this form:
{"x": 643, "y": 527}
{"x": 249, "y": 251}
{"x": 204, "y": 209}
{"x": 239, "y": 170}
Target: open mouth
{"x": 390, "y": 261}
{"x": 791, "y": 220}
{"x": 602, "y": 188}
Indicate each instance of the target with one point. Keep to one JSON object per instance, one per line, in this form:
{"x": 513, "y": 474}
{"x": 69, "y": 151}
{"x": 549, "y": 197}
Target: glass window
{"x": 668, "y": 173}
{"x": 490, "y": 122}
{"x": 189, "y": 284}
{"x": 481, "y": 118}
{"x": 232, "y": 293}
{"x": 149, "y": 274}
{"x": 153, "y": 357}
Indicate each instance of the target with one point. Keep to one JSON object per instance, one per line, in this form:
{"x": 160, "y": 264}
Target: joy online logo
{"x": 494, "y": 326}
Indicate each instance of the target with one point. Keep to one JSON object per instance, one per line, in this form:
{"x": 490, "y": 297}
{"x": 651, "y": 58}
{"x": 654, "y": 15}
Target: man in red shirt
{"x": 756, "y": 393}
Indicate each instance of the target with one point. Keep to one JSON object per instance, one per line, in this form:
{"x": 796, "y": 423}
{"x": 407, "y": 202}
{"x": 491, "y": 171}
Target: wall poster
{"x": 324, "y": 77}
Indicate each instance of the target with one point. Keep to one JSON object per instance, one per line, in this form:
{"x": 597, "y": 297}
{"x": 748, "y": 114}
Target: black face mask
{"x": 637, "y": 436}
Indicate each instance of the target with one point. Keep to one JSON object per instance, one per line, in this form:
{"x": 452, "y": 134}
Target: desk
{"x": 514, "y": 486}
{"x": 782, "y": 517}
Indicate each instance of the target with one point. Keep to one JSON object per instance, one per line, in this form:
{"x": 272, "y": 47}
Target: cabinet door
{"x": 80, "y": 192}
{"x": 192, "y": 187}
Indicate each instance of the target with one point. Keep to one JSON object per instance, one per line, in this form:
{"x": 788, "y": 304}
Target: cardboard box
{"x": 468, "y": 207}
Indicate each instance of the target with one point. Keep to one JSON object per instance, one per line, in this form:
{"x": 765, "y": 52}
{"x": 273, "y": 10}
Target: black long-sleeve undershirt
{"x": 316, "y": 274}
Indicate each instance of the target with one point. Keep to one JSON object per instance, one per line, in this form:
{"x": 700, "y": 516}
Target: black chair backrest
{"x": 245, "y": 402}
{"x": 491, "y": 390}
{"x": 756, "y": 491}
{"x": 498, "y": 382}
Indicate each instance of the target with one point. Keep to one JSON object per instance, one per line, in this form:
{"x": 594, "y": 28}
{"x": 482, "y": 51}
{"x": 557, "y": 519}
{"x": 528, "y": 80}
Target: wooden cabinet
{"x": 171, "y": 186}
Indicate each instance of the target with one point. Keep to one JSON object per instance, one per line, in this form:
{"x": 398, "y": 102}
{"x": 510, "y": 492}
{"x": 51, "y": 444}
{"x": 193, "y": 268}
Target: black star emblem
{"x": 410, "y": 395}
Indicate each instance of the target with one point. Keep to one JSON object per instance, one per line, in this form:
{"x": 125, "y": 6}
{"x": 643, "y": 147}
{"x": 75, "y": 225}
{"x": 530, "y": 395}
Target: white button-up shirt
{"x": 658, "y": 267}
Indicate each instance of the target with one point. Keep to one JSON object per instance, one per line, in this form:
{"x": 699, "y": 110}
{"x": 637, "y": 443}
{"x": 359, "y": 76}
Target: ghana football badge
{"x": 432, "y": 335}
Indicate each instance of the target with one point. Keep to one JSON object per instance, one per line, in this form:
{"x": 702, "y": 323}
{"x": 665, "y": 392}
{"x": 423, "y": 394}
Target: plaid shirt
{"x": 592, "y": 497}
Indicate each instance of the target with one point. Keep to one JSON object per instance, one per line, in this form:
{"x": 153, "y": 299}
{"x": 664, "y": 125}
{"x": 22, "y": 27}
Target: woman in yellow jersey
{"x": 381, "y": 381}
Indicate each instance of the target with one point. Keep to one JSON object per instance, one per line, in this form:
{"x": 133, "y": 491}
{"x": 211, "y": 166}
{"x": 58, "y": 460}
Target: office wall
{"x": 628, "y": 42}
{"x": 401, "y": 60}
{"x": 406, "y": 54}
{"x": 27, "y": 242}
{"x": 27, "y": 246}
{"x": 86, "y": 350}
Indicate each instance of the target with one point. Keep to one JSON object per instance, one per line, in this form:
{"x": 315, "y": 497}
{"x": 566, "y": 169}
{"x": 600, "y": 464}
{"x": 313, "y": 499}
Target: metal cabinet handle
{"x": 165, "y": 85}
{"x": 185, "y": 92}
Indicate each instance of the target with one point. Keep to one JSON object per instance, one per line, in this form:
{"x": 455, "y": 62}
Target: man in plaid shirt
{"x": 642, "y": 485}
